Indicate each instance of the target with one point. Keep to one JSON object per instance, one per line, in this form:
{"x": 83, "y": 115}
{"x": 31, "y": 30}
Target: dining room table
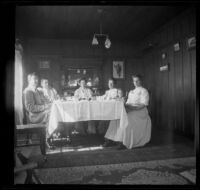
{"x": 73, "y": 110}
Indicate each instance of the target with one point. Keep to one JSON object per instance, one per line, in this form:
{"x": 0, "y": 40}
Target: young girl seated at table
{"x": 120, "y": 95}
{"x": 65, "y": 95}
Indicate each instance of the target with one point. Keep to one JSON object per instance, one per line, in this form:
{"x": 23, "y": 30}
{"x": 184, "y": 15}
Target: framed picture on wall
{"x": 118, "y": 69}
{"x": 191, "y": 42}
{"x": 177, "y": 46}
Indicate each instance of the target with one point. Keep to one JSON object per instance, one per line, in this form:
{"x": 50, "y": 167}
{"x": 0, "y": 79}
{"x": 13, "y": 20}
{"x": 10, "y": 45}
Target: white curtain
{"x": 18, "y": 88}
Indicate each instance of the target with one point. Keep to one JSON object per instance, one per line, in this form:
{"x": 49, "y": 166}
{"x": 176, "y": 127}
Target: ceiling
{"x": 124, "y": 23}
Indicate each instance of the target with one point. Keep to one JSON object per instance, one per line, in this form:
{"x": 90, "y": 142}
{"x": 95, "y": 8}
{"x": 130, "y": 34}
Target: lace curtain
{"x": 18, "y": 88}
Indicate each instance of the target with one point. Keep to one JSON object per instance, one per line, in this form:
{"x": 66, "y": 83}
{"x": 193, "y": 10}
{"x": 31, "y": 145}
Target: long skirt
{"x": 137, "y": 133}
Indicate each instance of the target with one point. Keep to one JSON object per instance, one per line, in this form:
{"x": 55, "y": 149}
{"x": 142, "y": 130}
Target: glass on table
{"x": 99, "y": 98}
{"x": 69, "y": 98}
{"x": 63, "y": 99}
{"x": 66, "y": 98}
{"x": 94, "y": 98}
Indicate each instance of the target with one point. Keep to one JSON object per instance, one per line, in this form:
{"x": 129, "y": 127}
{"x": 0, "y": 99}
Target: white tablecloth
{"x": 73, "y": 111}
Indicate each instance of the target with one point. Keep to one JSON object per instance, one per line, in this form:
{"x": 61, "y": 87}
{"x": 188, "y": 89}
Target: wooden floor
{"x": 159, "y": 138}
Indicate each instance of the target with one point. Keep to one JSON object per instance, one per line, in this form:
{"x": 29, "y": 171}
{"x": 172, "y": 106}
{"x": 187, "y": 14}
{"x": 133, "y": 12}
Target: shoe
{"x": 107, "y": 143}
{"x": 120, "y": 146}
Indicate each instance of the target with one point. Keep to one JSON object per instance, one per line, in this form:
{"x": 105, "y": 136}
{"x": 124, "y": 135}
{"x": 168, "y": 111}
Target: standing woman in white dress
{"x": 138, "y": 131}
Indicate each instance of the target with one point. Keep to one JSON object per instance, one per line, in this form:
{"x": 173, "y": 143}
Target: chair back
{"x": 149, "y": 107}
{"x": 25, "y": 111}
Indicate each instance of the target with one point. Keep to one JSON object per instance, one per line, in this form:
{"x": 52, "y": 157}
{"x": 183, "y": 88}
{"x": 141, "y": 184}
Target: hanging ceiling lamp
{"x": 95, "y": 41}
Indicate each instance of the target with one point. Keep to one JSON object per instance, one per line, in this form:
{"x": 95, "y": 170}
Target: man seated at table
{"x": 84, "y": 93}
{"x": 110, "y": 94}
{"x": 36, "y": 105}
{"x": 65, "y": 95}
{"x": 49, "y": 92}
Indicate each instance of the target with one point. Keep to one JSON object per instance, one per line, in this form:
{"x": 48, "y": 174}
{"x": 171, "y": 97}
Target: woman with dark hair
{"x": 49, "y": 92}
{"x": 112, "y": 92}
{"x": 120, "y": 95}
{"x": 82, "y": 92}
{"x": 138, "y": 131}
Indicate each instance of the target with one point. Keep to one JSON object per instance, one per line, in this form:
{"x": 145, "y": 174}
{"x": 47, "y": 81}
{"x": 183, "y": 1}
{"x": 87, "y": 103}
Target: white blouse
{"x": 84, "y": 93}
{"x": 138, "y": 96}
{"x": 111, "y": 94}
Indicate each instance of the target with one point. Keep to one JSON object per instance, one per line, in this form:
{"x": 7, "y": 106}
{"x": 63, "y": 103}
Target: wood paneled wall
{"x": 132, "y": 66}
{"x": 75, "y": 53}
{"x": 174, "y": 91}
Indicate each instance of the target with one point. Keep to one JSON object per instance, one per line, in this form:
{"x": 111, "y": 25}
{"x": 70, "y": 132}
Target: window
{"x": 18, "y": 104}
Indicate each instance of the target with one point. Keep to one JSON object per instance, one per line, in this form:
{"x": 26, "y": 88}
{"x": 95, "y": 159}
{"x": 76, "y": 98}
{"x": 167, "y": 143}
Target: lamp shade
{"x": 95, "y": 41}
{"x": 107, "y": 43}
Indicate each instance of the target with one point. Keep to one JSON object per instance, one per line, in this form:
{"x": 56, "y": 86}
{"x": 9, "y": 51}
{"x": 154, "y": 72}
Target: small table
{"x": 74, "y": 111}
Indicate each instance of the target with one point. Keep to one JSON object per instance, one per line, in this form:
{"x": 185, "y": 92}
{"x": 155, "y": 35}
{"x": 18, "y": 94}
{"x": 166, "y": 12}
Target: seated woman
{"x": 110, "y": 94}
{"x": 138, "y": 131}
{"x": 37, "y": 106}
{"x": 65, "y": 95}
{"x": 83, "y": 93}
{"x": 120, "y": 94}
{"x": 49, "y": 93}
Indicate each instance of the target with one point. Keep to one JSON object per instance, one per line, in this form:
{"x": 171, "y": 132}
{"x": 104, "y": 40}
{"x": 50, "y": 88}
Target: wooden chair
{"x": 149, "y": 107}
{"x": 39, "y": 129}
{"x": 28, "y": 129}
{"x": 24, "y": 171}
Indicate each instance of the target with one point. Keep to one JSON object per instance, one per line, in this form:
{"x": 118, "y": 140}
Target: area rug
{"x": 101, "y": 156}
{"x": 157, "y": 172}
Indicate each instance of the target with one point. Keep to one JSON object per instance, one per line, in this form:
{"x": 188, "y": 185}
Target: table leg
{"x": 43, "y": 141}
